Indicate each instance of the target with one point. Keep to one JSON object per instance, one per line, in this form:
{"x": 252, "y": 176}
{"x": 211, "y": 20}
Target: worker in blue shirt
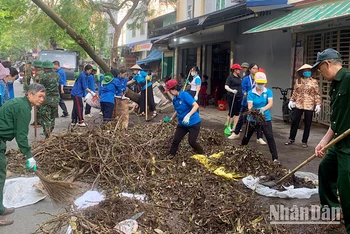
{"x": 140, "y": 77}
{"x": 62, "y": 82}
{"x": 110, "y": 86}
{"x": 91, "y": 86}
{"x": 261, "y": 98}
{"x": 122, "y": 78}
{"x": 188, "y": 117}
{"x": 77, "y": 94}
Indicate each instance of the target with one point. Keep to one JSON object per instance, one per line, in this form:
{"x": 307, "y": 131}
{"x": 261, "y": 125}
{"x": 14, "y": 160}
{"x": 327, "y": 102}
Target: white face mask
{"x": 193, "y": 73}
{"x": 260, "y": 86}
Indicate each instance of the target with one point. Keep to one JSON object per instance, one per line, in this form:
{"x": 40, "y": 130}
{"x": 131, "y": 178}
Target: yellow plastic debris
{"x": 217, "y": 170}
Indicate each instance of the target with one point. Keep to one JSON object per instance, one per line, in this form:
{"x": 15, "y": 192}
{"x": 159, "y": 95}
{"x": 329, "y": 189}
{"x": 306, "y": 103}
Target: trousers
{"x": 297, "y": 113}
{"x": 2, "y": 174}
{"x": 77, "y": 112}
{"x": 333, "y": 175}
{"x": 180, "y": 132}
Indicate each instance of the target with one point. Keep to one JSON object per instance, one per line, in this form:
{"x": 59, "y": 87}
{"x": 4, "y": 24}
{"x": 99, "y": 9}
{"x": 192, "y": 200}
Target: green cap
{"x": 327, "y": 54}
{"x": 37, "y": 63}
{"x": 76, "y": 75}
{"x": 47, "y": 64}
{"x": 94, "y": 68}
{"x": 245, "y": 64}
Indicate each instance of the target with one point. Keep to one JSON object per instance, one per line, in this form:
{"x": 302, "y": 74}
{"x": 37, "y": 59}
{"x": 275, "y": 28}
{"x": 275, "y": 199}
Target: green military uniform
{"x": 334, "y": 169}
{"x": 15, "y": 116}
{"x": 48, "y": 110}
{"x": 27, "y": 76}
{"x": 36, "y": 78}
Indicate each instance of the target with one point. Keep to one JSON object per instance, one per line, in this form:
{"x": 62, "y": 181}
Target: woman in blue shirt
{"x": 110, "y": 87}
{"x": 140, "y": 77}
{"x": 261, "y": 98}
{"x": 188, "y": 118}
{"x": 91, "y": 86}
{"x": 195, "y": 83}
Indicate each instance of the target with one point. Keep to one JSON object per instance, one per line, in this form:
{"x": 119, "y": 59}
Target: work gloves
{"x": 167, "y": 119}
{"x": 148, "y": 78}
{"x": 196, "y": 98}
{"x": 317, "y": 109}
{"x": 93, "y": 94}
{"x": 234, "y": 91}
{"x": 291, "y": 105}
{"x": 186, "y": 120}
{"x": 31, "y": 164}
{"x": 262, "y": 110}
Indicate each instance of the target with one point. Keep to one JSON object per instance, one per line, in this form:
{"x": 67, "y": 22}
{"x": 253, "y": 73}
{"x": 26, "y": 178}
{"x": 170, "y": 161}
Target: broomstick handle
{"x": 146, "y": 106}
{"x": 188, "y": 76}
{"x": 35, "y": 122}
{"x": 326, "y": 147}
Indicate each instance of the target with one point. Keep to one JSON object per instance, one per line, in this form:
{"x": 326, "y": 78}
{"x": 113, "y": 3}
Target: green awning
{"x": 305, "y": 16}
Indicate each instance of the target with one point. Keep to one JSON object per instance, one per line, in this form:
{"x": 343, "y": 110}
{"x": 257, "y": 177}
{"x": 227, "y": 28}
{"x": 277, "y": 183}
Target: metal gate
{"x": 338, "y": 39}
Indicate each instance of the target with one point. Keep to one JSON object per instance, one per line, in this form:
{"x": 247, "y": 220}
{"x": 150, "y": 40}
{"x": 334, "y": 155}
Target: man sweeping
{"x": 15, "y": 117}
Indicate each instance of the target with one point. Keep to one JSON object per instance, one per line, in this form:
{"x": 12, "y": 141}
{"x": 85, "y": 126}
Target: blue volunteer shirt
{"x": 108, "y": 91}
{"x": 141, "y": 79}
{"x": 123, "y": 85}
{"x": 63, "y": 78}
{"x": 90, "y": 83}
{"x": 183, "y": 105}
{"x": 11, "y": 90}
{"x": 80, "y": 85}
{"x": 248, "y": 83}
{"x": 260, "y": 101}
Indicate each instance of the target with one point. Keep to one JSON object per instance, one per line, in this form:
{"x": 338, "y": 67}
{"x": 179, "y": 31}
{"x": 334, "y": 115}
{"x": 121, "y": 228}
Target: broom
{"x": 60, "y": 192}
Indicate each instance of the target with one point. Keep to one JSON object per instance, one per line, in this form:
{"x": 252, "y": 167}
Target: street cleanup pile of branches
{"x": 184, "y": 195}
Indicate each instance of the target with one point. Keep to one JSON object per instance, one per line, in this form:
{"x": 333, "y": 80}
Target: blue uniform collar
{"x": 255, "y": 92}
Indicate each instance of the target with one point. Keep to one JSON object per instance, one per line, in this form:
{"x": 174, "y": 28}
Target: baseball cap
{"x": 236, "y": 66}
{"x": 260, "y": 78}
{"x": 170, "y": 84}
{"x": 327, "y": 54}
{"x": 245, "y": 64}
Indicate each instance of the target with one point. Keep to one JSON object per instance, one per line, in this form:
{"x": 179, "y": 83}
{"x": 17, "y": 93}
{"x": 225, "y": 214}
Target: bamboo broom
{"x": 60, "y": 192}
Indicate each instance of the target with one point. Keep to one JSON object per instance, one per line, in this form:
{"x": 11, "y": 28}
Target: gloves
{"x": 167, "y": 119}
{"x": 196, "y": 98}
{"x": 262, "y": 110}
{"x": 186, "y": 120}
{"x": 31, "y": 164}
{"x": 234, "y": 91}
{"x": 148, "y": 78}
{"x": 93, "y": 94}
{"x": 317, "y": 109}
{"x": 291, "y": 105}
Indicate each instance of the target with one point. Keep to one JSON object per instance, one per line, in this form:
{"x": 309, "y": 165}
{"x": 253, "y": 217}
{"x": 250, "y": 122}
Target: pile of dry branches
{"x": 182, "y": 195}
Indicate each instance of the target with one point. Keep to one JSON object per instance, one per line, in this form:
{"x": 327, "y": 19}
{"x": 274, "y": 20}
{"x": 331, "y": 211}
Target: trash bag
{"x": 93, "y": 101}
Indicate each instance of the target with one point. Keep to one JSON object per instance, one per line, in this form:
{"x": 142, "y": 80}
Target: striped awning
{"x": 306, "y": 16}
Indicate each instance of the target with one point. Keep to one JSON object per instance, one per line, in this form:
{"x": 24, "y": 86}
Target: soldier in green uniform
{"x": 334, "y": 169}
{"x": 27, "y": 75}
{"x": 38, "y": 72}
{"x": 15, "y": 117}
{"x": 48, "y": 110}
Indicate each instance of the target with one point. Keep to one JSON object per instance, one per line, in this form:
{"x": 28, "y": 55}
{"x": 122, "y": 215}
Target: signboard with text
{"x": 142, "y": 47}
{"x": 254, "y": 3}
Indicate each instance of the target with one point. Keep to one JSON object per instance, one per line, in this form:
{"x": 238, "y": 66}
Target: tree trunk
{"x": 114, "y": 52}
{"x": 74, "y": 35}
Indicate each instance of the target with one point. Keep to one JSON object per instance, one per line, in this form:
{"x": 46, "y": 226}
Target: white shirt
{"x": 196, "y": 81}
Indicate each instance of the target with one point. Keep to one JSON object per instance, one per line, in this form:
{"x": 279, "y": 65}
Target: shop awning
{"x": 306, "y": 16}
{"x": 153, "y": 56}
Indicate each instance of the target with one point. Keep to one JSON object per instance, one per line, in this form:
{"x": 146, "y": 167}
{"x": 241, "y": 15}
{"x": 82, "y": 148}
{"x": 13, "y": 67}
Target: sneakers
{"x": 100, "y": 113}
{"x": 65, "y": 115}
{"x": 260, "y": 141}
{"x": 276, "y": 162}
{"x": 81, "y": 124}
{"x": 73, "y": 124}
{"x": 304, "y": 145}
{"x": 290, "y": 142}
{"x": 233, "y": 136}
{"x": 88, "y": 116}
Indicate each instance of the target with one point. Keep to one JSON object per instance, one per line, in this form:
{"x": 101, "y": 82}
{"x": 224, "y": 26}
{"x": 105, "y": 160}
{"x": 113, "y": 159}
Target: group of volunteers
{"x": 251, "y": 92}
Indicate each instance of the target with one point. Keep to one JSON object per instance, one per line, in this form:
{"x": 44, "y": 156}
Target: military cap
{"x": 47, "y": 64}
{"x": 37, "y": 63}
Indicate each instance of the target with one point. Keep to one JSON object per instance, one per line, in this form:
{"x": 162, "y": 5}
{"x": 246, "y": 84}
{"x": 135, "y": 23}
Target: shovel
{"x": 329, "y": 145}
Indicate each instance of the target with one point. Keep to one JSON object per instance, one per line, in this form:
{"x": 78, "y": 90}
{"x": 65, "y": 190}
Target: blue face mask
{"x": 307, "y": 74}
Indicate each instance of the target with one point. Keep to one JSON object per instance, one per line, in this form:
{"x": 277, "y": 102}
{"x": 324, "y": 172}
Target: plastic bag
{"x": 127, "y": 226}
{"x": 93, "y": 101}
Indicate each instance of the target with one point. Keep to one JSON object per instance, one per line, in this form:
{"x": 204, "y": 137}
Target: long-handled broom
{"x": 60, "y": 192}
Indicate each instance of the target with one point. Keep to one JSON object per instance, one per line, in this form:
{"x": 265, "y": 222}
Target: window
{"x": 190, "y": 9}
{"x": 142, "y": 29}
{"x": 133, "y": 32}
{"x": 220, "y": 4}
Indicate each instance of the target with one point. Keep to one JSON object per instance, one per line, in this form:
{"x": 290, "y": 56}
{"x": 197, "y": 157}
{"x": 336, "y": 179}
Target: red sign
{"x": 142, "y": 47}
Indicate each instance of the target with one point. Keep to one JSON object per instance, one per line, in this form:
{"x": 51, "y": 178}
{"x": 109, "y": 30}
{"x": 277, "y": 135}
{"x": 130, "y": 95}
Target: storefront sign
{"x": 142, "y": 47}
